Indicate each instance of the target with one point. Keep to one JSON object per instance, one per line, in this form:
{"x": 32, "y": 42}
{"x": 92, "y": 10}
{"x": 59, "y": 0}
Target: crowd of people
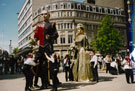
{"x": 10, "y": 65}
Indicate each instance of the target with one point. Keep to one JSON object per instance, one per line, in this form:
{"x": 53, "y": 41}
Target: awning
{"x": 24, "y": 51}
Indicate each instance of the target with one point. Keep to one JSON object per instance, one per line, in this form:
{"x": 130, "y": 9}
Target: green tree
{"x": 108, "y": 40}
{"x": 15, "y": 51}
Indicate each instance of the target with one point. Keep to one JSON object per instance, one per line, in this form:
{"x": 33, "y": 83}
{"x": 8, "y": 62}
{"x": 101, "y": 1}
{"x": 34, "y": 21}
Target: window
{"x": 109, "y": 11}
{"x": 71, "y": 26}
{"x": 68, "y": 26}
{"x": 58, "y": 14}
{"x": 79, "y": 6}
{"x": 83, "y": 7}
{"x": 97, "y": 9}
{"x": 75, "y": 5}
{"x": 61, "y": 26}
{"x": 69, "y": 5}
{"x": 72, "y": 6}
{"x": 103, "y": 10}
{"x": 68, "y": 14}
{"x": 86, "y": 15}
{"x": 70, "y": 39}
{"x": 55, "y": 41}
{"x": 87, "y": 8}
{"x": 65, "y": 5}
{"x": 91, "y": 8}
{"x": 58, "y": 26}
{"x": 62, "y": 39}
{"x": 113, "y": 11}
{"x": 64, "y": 25}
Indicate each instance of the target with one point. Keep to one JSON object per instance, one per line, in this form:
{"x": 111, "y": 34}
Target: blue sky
{"x": 8, "y": 22}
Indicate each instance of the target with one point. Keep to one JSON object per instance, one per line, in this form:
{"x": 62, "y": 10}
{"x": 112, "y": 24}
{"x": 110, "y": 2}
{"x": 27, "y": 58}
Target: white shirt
{"x": 126, "y": 64}
{"x": 114, "y": 65}
{"x": 29, "y": 61}
{"x": 66, "y": 63}
{"x": 100, "y": 59}
{"x": 106, "y": 60}
{"x": 94, "y": 59}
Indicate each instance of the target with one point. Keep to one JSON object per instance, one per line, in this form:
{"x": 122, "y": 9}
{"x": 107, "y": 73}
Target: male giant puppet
{"x": 45, "y": 33}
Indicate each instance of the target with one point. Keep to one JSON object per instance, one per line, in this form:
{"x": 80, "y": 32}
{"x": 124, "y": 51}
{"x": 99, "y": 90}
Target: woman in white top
{"x": 128, "y": 69}
{"x": 108, "y": 60}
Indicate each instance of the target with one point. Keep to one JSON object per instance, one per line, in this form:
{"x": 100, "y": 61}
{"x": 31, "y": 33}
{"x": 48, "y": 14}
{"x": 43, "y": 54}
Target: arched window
{"x": 43, "y": 8}
{"x": 83, "y": 7}
{"x": 109, "y": 11}
{"x": 75, "y": 5}
{"x": 79, "y": 6}
{"x": 91, "y": 8}
{"x": 94, "y": 8}
{"x": 69, "y": 5}
{"x": 97, "y": 9}
{"x": 103, "y": 10}
{"x": 87, "y": 8}
{"x": 114, "y": 12}
{"x": 65, "y": 5}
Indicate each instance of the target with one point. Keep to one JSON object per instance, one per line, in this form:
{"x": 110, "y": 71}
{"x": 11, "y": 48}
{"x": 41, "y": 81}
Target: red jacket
{"x": 43, "y": 29}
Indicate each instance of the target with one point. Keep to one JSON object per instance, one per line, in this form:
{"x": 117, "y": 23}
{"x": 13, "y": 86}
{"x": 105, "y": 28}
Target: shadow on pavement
{"x": 72, "y": 85}
{"x": 105, "y": 78}
{"x": 11, "y": 76}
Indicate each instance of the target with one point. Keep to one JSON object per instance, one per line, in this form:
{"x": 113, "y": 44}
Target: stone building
{"x": 67, "y": 14}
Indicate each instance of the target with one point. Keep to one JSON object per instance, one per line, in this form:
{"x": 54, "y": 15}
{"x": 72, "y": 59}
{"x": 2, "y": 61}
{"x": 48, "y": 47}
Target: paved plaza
{"x": 107, "y": 82}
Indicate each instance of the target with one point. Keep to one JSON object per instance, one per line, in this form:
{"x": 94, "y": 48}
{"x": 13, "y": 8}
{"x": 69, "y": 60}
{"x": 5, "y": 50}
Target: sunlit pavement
{"x": 107, "y": 82}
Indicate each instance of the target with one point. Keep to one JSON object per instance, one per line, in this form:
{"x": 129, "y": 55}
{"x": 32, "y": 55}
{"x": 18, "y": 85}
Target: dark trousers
{"x": 100, "y": 64}
{"x": 67, "y": 73}
{"x": 36, "y": 80}
{"x": 107, "y": 67}
{"x": 94, "y": 72}
{"x": 28, "y": 75}
{"x": 129, "y": 74}
{"x": 54, "y": 78}
{"x": 113, "y": 71}
{"x": 44, "y": 76}
{"x": 1, "y": 70}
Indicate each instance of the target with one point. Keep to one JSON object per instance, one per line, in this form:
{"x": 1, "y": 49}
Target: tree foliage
{"x": 108, "y": 40}
{"x": 15, "y": 51}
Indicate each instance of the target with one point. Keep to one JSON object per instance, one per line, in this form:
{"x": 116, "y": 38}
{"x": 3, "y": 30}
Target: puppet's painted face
{"x": 45, "y": 15}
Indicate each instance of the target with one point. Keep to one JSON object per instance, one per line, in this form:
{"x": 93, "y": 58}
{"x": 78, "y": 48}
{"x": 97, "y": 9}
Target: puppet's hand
{"x": 47, "y": 36}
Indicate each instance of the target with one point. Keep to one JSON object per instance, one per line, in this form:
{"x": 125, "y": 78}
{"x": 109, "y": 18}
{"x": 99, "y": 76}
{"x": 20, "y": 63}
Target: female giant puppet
{"x": 81, "y": 68}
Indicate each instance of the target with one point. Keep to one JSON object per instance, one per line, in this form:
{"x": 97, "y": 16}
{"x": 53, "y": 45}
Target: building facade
{"x": 67, "y": 14}
{"x": 111, "y": 3}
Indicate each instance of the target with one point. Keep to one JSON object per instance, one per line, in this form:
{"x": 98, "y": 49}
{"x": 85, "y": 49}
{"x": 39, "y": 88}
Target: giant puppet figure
{"x": 45, "y": 33}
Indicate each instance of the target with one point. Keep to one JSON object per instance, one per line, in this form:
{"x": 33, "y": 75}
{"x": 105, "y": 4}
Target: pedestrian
{"x": 1, "y": 66}
{"x": 107, "y": 61}
{"x": 46, "y": 34}
{"x": 94, "y": 67}
{"x": 128, "y": 68}
{"x": 100, "y": 61}
{"x": 118, "y": 60}
{"x": 54, "y": 66}
{"x": 28, "y": 71}
{"x": 67, "y": 63}
{"x": 113, "y": 68}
